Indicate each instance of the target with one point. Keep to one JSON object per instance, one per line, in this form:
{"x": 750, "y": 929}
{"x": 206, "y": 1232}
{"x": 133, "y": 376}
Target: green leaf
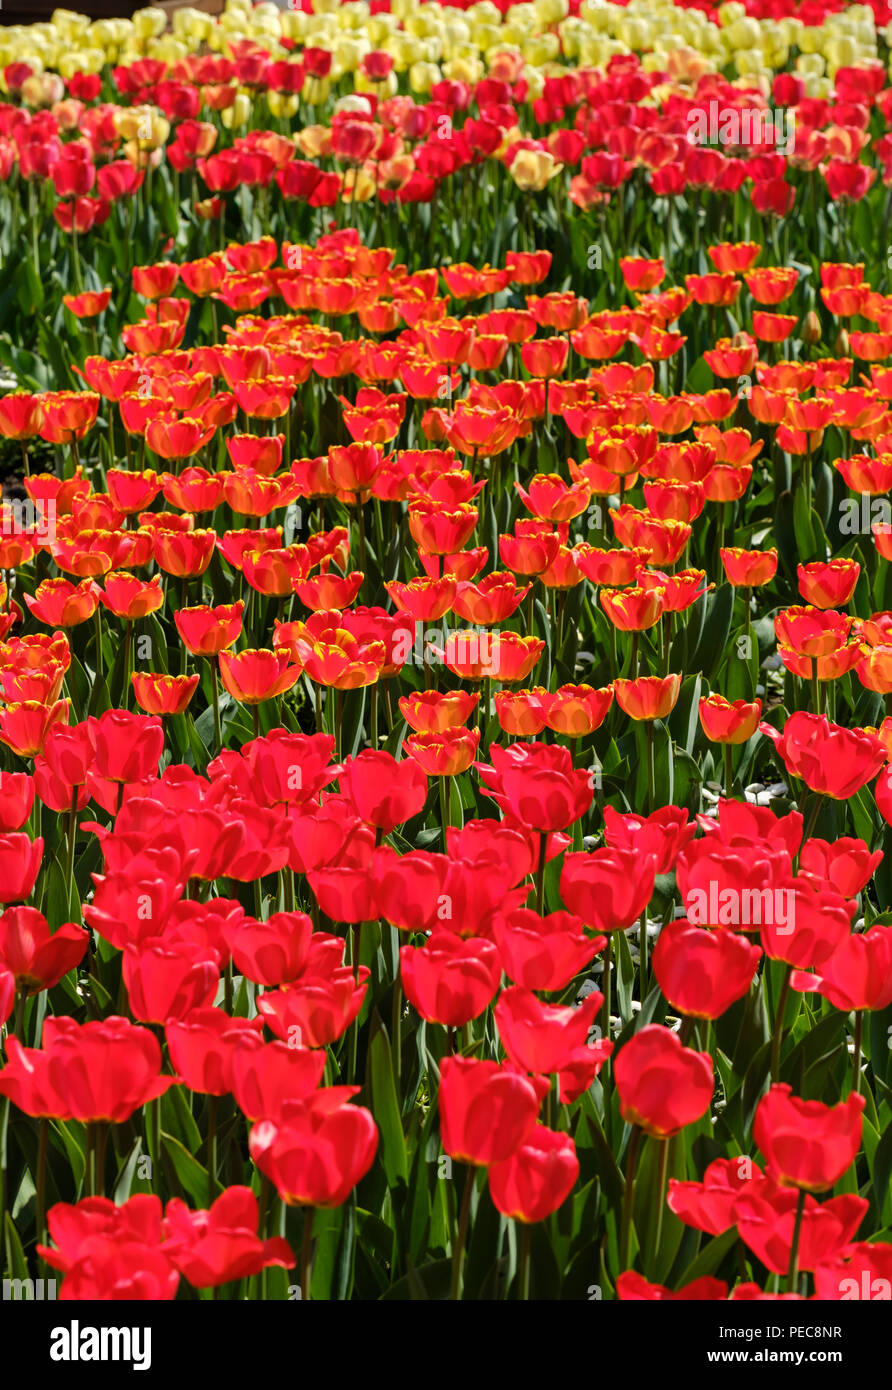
{"x": 189, "y": 1171}
{"x": 385, "y": 1104}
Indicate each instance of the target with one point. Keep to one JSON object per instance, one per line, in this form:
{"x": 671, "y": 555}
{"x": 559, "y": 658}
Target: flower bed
{"x": 445, "y": 654}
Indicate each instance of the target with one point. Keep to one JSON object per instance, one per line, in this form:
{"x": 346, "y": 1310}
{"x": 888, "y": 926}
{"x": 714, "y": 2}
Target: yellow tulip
{"x": 840, "y": 51}
{"x": 144, "y": 124}
{"x": 72, "y": 25}
{"x": 141, "y": 159}
{"x": 314, "y": 141}
{"x": 293, "y": 25}
{"x": 379, "y": 29}
{"x": 543, "y": 48}
{"x": 535, "y": 80}
{"x": 82, "y": 60}
{"x": 809, "y": 65}
{"x": 596, "y": 14}
{"x": 406, "y": 50}
{"x": 348, "y": 54}
{"x": 633, "y": 31}
{"x": 455, "y": 33}
{"x": 192, "y": 25}
{"x": 423, "y": 76}
{"x": 168, "y": 49}
{"x": 353, "y": 15}
{"x": 107, "y": 33}
{"x": 731, "y": 12}
{"x": 359, "y": 186}
{"x": 593, "y": 53}
{"x": 388, "y": 88}
{"x": 463, "y": 69}
{"x": 283, "y": 103}
{"x": 42, "y": 89}
{"x": 531, "y": 170}
{"x": 149, "y": 23}
{"x": 487, "y": 13}
{"x": 551, "y": 11}
{"x": 239, "y": 113}
{"x": 421, "y": 25}
{"x": 810, "y": 40}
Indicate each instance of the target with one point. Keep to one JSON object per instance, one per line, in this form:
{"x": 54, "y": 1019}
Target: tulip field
{"x": 446, "y": 653}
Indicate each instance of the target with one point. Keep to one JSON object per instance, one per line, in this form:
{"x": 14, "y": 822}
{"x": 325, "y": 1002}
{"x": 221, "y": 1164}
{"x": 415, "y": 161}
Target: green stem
{"x": 661, "y": 1193}
{"x": 642, "y": 955}
{"x": 40, "y": 1185}
{"x": 523, "y": 1277}
{"x": 629, "y": 1197}
{"x": 778, "y": 1035}
{"x": 212, "y": 1144}
{"x": 540, "y": 874}
{"x": 605, "y": 1007}
{"x": 651, "y": 765}
{"x": 128, "y": 642}
{"x": 856, "y": 1063}
{"x": 215, "y": 696}
{"x": 72, "y": 837}
{"x": 461, "y": 1235}
{"x": 793, "y": 1271}
{"x": 306, "y": 1254}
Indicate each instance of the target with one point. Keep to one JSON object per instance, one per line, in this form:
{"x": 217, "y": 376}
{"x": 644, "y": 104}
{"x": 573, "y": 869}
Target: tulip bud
{"x": 841, "y": 346}
{"x": 811, "y": 328}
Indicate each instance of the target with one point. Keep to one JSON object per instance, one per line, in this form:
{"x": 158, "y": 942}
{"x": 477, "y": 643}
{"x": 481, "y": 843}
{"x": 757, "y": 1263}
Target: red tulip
{"x": 88, "y": 1072}
{"x": 384, "y": 792}
{"x": 212, "y": 1247}
{"x": 807, "y": 1144}
{"x": 701, "y": 972}
{"x": 126, "y": 747}
{"x": 537, "y": 785}
{"x": 271, "y": 952}
{"x": 486, "y": 1110}
{"x": 662, "y": 835}
{"x": 267, "y": 1076}
{"x": 451, "y": 979}
{"x": 858, "y": 974}
{"x": 202, "y": 1044}
{"x": 830, "y": 759}
{"x": 608, "y": 888}
{"x": 319, "y": 1150}
{"x": 16, "y": 800}
{"x": 20, "y": 859}
{"x": 169, "y": 980}
{"x": 74, "y": 1227}
{"x": 254, "y": 675}
{"x": 544, "y": 953}
{"x": 537, "y": 1178}
{"x": 542, "y": 1037}
{"x": 316, "y": 1010}
{"x": 766, "y": 1219}
{"x": 847, "y": 864}
{"x": 710, "y": 1205}
{"x": 36, "y": 957}
{"x": 633, "y": 1287}
{"x": 662, "y": 1084}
